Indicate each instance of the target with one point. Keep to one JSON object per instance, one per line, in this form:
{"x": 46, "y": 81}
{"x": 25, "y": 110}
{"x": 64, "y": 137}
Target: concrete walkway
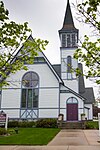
{"x": 67, "y": 140}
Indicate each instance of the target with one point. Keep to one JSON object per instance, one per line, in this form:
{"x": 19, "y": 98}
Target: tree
{"x": 13, "y": 36}
{"x": 89, "y": 52}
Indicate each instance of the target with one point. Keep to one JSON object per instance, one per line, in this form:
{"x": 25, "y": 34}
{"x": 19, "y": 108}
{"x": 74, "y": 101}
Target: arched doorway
{"x": 72, "y": 109}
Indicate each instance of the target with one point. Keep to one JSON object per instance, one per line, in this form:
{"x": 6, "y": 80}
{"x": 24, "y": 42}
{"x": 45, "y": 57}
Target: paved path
{"x": 66, "y": 140}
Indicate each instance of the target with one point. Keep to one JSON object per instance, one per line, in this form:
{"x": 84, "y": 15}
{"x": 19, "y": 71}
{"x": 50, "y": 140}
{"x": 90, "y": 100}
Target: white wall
{"x": 67, "y": 51}
{"x": 48, "y": 91}
{"x": 63, "y": 99}
{"x": 47, "y": 78}
{"x": 90, "y": 111}
{"x": 72, "y": 83}
{"x": 49, "y": 98}
{"x": 11, "y": 98}
{"x": 48, "y": 113}
{"x": 86, "y": 113}
{"x": 12, "y": 113}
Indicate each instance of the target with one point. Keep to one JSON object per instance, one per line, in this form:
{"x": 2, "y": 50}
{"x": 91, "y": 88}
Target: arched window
{"x": 30, "y": 90}
{"x": 72, "y": 100}
{"x": 69, "y": 67}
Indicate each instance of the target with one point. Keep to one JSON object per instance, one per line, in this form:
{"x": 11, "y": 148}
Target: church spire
{"x": 68, "y": 33}
{"x": 68, "y": 20}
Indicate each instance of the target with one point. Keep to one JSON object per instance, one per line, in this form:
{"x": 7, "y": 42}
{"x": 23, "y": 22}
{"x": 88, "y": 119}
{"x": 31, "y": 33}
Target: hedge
{"x": 22, "y": 124}
{"x": 43, "y": 123}
{"x": 47, "y": 123}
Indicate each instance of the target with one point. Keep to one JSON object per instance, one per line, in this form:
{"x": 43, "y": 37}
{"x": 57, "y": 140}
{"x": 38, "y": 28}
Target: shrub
{"x": 22, "y": 124}
{"x": 26, "y": 124}
{"x": 92, "y": 125}
{"x": 11, "y": 131}
{"x": 47, "y": 123}
{"x": 12, "y": 124}
{"x": 3, "y": 131}
{"x": 43, "y": 123}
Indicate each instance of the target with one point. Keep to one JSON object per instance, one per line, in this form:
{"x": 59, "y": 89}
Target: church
{"x": 46, "y": 90}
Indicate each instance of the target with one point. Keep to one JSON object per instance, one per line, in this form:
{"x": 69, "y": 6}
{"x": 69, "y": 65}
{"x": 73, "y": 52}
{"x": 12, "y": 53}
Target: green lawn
{"x": 30, "y": 136}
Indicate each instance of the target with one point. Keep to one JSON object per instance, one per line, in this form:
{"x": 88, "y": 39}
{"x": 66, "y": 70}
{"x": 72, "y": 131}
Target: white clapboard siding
{"x": 66, "y": 52}
{"x": 48, "y": 113}
{"x": 12, "y": 113}
{"x": 90, "y": 111}
{"x": 49, "y": 98}
{"x": 11, "y": 98}
{"x": 46, "y": 76}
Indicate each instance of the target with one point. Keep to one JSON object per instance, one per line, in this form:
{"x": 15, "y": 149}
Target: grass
{"x": 30, "y": 136}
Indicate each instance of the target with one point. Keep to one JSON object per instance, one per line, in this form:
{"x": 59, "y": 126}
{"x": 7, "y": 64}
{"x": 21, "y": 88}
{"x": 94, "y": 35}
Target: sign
{"x": 99, "y": 122}
{"x": 3, "y": 119}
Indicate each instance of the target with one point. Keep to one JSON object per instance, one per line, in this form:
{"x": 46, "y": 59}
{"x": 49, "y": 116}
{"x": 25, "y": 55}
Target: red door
{"x": 72, "y": 112}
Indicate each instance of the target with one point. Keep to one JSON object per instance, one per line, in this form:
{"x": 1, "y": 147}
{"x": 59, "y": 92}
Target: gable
{"x": 65, "y": 89}
{"x": 42, "y": 55}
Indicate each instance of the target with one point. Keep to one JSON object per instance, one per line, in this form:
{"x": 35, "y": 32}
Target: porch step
{"x": 71, "y": 125}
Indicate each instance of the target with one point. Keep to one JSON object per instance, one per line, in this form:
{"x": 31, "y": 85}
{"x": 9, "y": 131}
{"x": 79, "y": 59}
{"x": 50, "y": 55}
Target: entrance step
{"x": 71, "y": 125}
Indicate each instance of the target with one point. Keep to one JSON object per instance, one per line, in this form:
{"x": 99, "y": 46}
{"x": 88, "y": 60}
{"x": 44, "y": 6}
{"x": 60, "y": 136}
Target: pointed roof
{"x": 68, "y": 20}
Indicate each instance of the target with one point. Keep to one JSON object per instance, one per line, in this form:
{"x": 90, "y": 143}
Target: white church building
{"x": 46, "y": 90}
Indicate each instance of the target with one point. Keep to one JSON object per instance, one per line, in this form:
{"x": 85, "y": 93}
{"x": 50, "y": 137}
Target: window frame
{"x": 29, "y": 89}
{"x": 72, "y": 100}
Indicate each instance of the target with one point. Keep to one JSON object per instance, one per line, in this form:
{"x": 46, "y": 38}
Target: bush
{"x": 12, "y": 124}
{"x": 46, "y": 123}
{"x": 26, "y": 124}
{"x": 92, "y": 125}
{"x": 11, "y": 131}
{"x": 3, "y": 131}
{"x": 43, "y": 123}
{"x": 22, "y": 124}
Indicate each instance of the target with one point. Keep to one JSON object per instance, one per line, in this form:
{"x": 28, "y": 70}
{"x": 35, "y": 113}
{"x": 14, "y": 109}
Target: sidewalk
{"x": 76, "y": 138}
{"x": 67, "y": 140}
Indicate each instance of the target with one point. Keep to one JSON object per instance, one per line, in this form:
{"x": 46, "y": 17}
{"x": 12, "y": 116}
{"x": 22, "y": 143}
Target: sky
{"x": 45, "y": 18}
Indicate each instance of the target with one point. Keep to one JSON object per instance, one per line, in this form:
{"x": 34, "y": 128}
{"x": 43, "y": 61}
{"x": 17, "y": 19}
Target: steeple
{"x": 69, "y": 43}
{"x": 68, "y": 20}
{"x": 68, "y": 33}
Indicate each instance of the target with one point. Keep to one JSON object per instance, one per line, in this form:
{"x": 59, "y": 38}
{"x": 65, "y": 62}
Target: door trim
{"x": 72, "y": 100}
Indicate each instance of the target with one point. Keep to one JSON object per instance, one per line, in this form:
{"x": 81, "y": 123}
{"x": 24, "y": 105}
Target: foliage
{"x": 22, "y": 124}
{"x": 47, "y": 123}
{"x": 3, "y": 131}
{"x": 92, "y": 125}
{"x": 13, "y": 36}
{"x": 11, "y": 131}
{"x": 30, "y": 136}
{"x": 43, "y": 123}
{"x": 89, "y": 53}
{"x": 12, "y": 124}
{"x": 27, "y": 124}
